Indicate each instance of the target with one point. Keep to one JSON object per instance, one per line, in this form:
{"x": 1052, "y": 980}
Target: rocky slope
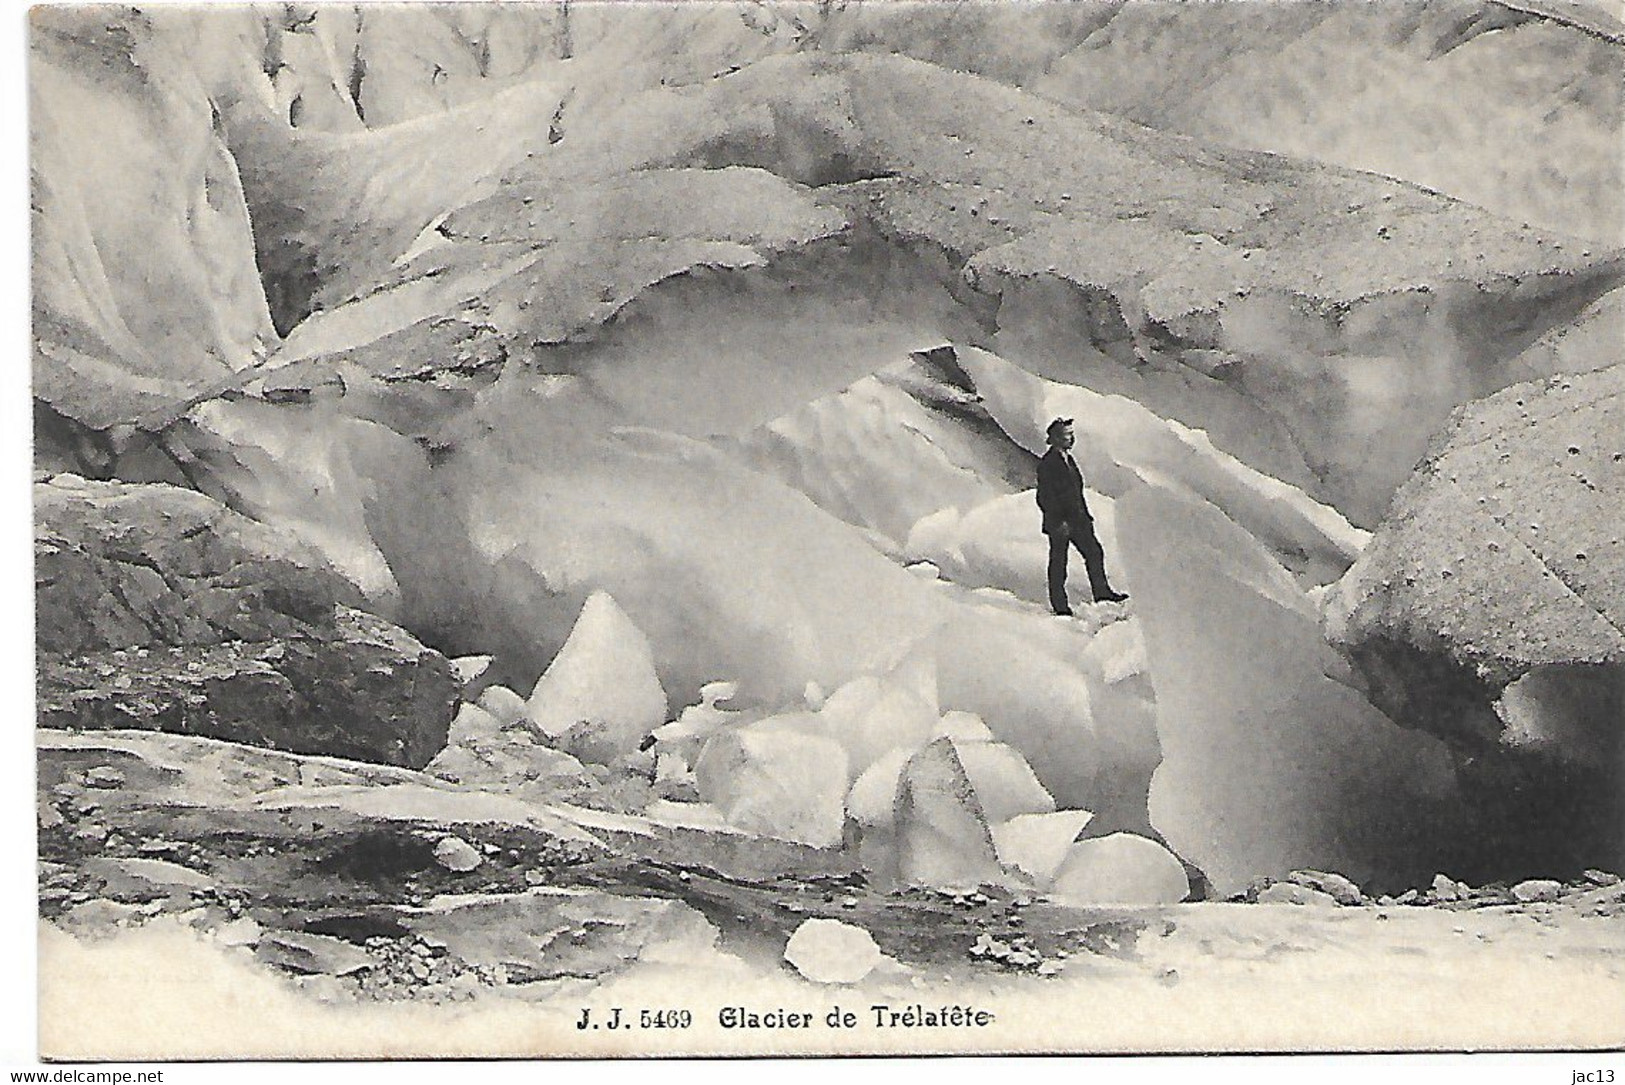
{"x": 159, "y": 608}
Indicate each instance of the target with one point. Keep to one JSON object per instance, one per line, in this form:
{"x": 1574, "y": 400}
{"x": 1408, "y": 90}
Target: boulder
{"x": 160, "y": 609}
{"x": 829, "y": 951}
{"x": 456, "y": 854}
{"x": 1445, "y": 889}
{"x": 551, "y": 933}
{"x": 602, "y": 684}
{"x": 312, "y": 954}
{"x": 1119, "y": 869}
{"x": 1537, "y": 891}
{"x": 1335, "y": 886}
{"x": 775, "y": 779}
{"x": 145, "y": 879}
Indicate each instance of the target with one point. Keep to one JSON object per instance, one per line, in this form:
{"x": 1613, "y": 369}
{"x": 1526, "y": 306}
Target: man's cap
{"x": 1057, "y": 426}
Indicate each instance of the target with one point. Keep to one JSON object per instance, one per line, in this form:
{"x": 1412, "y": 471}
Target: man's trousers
{"x": 1080, "y": 534}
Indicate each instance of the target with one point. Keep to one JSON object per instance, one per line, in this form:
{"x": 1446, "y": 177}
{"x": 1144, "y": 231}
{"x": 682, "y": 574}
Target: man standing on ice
{"x": 1067, "y": 521}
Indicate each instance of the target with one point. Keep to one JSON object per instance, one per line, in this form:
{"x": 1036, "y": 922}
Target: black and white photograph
{"x": 761, "y": 528}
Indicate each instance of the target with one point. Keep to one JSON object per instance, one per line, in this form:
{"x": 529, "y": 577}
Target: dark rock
{"x": 312, "y": 953}
{"x": 160, "y": 609}
{"x": 546, "y": 933}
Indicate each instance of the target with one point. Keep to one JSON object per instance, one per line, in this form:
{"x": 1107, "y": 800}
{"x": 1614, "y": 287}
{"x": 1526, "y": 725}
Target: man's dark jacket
{"x": 1060, "y": 492}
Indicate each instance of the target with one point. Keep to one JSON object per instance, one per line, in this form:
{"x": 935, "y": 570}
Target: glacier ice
{"x": 1269, "y": 764}
{"x": 870, "y": 716}
{"x": 1004, "y": 783}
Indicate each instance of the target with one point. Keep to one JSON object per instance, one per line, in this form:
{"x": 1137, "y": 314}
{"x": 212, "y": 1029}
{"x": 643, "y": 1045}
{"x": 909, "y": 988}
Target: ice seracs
{"x": 1270, "y": 762}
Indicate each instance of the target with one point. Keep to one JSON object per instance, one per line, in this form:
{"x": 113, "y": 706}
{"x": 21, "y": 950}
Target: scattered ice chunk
{"x": 1037, "y": 844}
{"x": 103, "y": 777}
{"x": 712, "y": 694}
{"x": 829, "y": 951}
{"x": 469, "y": 668}
{"x": 1119, "y": 869}
{"x": 692, "y": 815}
{"x": 873, "y": 797}
{"x": 870, "y": 716}
{"x": 473, "y": 723}
{"x": 241, "y": 931}
{"x": 777, "y": 779}
{"x": 963, "y": 727}
{"x": 604, "y": 676}
{"x": 1004, "y": 782}
{"x": 698, "y": 722}
{"x": 943, "y": 839}
{"x": 503, "y": 703}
